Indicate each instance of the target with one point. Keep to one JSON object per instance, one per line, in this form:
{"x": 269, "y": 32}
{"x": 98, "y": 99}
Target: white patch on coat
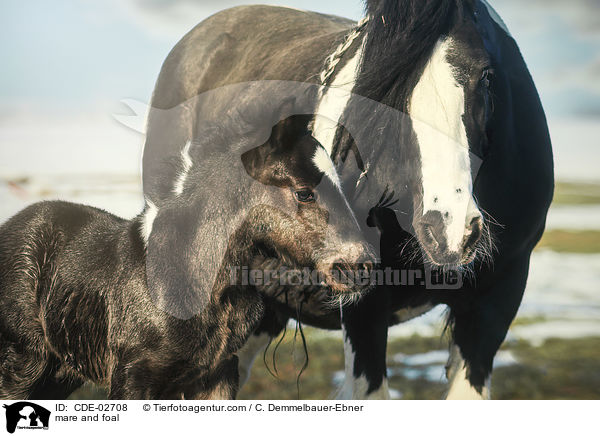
{"x": 331, "y": 106}
{"x": 324, "y": 164}
{"x": 436, "y": 108}
{"x": 148, "y": 220}
{"x": 357, "y": 388}
{"x": 363, "y": 175}
{"x": 382, "y": 393}
{"x": 351, "y": 386}
{"x": 460, "y": 387}
{"x": 186, "y": 163}
{"x": 246, "y": 356}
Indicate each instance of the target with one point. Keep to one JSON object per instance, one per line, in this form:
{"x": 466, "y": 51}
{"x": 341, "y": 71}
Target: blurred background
{"x": 67, "y": 64}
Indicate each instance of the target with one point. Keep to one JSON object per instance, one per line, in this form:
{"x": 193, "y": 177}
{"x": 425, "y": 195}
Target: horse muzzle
{"x": 434, "y": 238}
{"x": 349, "y": 270}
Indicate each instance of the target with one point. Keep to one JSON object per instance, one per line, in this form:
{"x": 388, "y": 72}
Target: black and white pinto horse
{"x": 466, "y": 184}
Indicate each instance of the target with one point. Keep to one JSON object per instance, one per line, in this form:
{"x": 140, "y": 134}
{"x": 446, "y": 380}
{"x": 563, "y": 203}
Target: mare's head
{"x": 430, "y": 61}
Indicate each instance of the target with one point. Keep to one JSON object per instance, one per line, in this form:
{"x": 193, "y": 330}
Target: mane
{"x": 401, "y": 35}
{"x": 400, "y": 38}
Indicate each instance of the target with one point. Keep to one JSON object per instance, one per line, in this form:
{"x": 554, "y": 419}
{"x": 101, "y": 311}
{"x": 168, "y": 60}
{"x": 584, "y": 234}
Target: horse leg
{"x": 479, "y": 330}
{"x": 365, "y": 326}
{"x": 207, "y": 368}
{"x": 56, "y": 384}
{"x": 134, "y": 379}
{"x": 20, "y": 370}
{"x": 221, "y": 384}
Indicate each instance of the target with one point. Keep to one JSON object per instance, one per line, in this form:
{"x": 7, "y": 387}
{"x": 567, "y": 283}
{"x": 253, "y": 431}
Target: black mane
{"x": 401, "y": 35}
{"x": 400, "y": 38}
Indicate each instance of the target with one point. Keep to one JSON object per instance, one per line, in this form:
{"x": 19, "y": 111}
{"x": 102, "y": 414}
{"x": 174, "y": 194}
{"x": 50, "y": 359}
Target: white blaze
{"x": 331, "y": 107}
{"x": 324, "y": 164}
{"x": 437, "y": 106}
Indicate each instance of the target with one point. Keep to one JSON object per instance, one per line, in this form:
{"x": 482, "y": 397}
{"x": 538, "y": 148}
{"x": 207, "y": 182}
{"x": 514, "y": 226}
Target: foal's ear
{"x": 286, "y": 127}
{"x": 288, "y": 131}
{"x": 261, "y": 162}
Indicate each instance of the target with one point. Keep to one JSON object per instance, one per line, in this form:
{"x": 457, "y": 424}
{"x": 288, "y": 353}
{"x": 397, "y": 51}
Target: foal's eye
{"x": 305, "y": 196}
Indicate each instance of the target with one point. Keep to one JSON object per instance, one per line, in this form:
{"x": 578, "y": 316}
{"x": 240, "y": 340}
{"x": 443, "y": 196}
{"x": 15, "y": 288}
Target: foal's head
{"x": 249, "y": 196}
{"x": 311, "y": 225}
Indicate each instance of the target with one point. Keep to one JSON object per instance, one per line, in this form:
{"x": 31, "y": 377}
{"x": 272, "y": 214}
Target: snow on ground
{"x": 118, "y": 194}
{"x": 584, "y": 217}
{"x": 431, "y": 365}
{"x": 563, "y": 285}
{"x": 562, "y": 290}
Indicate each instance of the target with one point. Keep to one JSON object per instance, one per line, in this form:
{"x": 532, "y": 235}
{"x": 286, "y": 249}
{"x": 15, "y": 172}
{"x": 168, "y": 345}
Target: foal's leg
{"x": 20, "y": 370}
{"x": 56, "y": 384}
{"x": 365, "y": 326}
{"x": 479, "y": 330}
{"x": 222, "y": 384}
{"x": 206, "y": 367}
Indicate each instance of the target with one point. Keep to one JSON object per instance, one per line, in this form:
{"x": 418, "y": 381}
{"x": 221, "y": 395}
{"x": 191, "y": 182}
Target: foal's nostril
{"x": 367, "y": 268}
{"x": 338, "y": 263}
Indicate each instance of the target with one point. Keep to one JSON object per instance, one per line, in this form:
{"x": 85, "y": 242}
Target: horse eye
{"x": 305, "y": 196}
{"x": 485, "y": 76}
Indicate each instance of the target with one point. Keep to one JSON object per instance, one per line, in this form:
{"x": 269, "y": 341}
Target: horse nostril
{"x": 473, "y": 232}
{"x": 431, "y": 230}
{"x": 428, "y": 230}
{"x": 367, "y": 268}
{"x": 476, "y": 224}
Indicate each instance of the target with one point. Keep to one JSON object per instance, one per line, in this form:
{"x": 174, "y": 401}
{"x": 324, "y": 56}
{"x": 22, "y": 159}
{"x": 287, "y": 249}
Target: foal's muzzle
{"x": 350, "y": 270}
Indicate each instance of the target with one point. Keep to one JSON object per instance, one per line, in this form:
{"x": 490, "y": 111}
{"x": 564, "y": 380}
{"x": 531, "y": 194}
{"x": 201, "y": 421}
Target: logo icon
{"x": 26, "y": 415}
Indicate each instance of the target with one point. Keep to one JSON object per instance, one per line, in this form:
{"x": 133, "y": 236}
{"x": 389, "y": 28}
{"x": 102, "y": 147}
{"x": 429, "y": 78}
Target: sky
{"x": 67, "y": 64}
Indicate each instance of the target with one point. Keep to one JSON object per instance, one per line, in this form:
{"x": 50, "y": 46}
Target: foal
{"x": 150, "y": 307}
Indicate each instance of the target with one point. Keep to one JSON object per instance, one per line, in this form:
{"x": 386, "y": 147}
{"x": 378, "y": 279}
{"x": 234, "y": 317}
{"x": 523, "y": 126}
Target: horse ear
{"x": 288, "y": 131}
{"x": 288, "y": 127}
{"x": 282, "y": 133}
